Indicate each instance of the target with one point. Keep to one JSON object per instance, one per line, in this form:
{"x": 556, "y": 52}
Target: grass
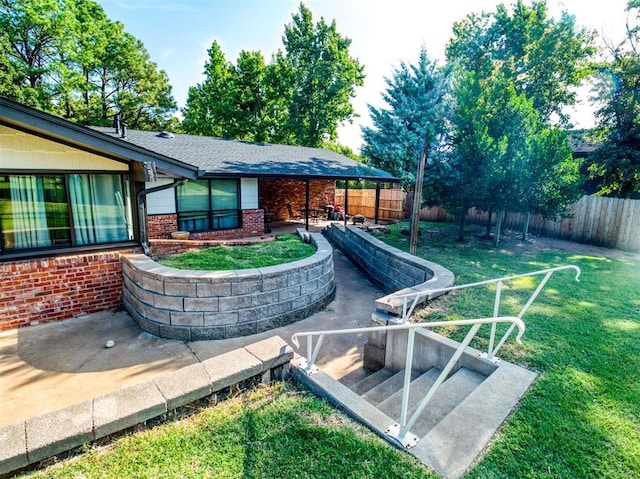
{"x": 277, "y": 431}
{"x": 581, "y": 419}
{"x": 285, "y": 249}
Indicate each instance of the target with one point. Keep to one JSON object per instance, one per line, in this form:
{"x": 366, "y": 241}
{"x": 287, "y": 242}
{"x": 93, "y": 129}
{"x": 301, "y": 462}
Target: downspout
{"x": 142, "y": 217}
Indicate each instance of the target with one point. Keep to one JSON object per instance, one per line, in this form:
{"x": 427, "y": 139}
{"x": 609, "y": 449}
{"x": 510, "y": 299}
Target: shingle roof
{"x": 220, "y": 157}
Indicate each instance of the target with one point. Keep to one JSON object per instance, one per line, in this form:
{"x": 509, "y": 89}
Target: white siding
{"x": 19, "y": 150}
{"x": 161, "y": 202}
{"x": 249, "y": 192}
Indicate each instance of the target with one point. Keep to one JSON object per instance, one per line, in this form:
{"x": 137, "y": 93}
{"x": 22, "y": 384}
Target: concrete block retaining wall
{"x": 390, "y": 269}
{"x": 206, "y": 305}
{"x": 395, "y": 272}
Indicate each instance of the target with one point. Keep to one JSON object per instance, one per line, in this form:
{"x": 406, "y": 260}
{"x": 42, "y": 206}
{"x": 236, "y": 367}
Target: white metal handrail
{"x": 400, "y": 432}
{"x": 419, "y": 296}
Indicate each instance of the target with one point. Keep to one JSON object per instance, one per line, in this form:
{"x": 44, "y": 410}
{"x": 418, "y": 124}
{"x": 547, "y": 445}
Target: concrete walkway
{"x": 49, "y": 367}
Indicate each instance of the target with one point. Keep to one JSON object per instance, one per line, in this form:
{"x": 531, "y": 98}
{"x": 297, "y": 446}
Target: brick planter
{"x": 205, "y": 305}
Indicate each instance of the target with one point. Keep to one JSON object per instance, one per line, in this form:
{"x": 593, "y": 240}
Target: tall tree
{"x": 615, "y": 165}
{"x": 417, "y": 97}
{"x": 34, "y": 30}
{"x": 209, "y": 108}
{"x": 545, "y": 58}
{"x": 299, "y": 98}
{"x": 323, "y": 77}
{"x": 232, "y": 102}
{"x": 407, "y": 136}
{"x": 73, "y": 61}
{"x": 250, "y": 98}
{"x": 509, "y": 92}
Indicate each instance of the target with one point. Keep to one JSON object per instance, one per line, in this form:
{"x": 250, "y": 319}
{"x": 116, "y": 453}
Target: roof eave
{"x": 55, "y": 128}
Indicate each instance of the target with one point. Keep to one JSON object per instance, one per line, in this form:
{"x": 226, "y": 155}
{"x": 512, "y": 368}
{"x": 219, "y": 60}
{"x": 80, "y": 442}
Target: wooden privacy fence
{"x": 610, "y": 222}
{"x": 362, "y": 202}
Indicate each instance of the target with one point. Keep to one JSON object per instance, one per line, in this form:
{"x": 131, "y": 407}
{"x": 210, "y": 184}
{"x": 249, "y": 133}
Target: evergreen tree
{"x": 408, "y": 135}
{"x": 615, "y": 165}
{"x": 417, "y": 97}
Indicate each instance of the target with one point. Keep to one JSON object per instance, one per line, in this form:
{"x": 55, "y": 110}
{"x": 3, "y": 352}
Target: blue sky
{"x": 177, "y": 34}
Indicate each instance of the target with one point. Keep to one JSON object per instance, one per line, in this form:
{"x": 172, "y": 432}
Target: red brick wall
{"x": 50, "y": 289}
{"x": 161, "y": 227}
{"x": 275, "y": 194}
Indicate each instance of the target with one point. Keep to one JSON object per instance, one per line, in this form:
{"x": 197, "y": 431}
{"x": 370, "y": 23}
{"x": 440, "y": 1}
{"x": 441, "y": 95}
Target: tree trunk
{"x": 499, "y": 220}
{"x": 461, "y": 226}
{"x": 488, "y": 233}
{"x": 525, "y": 227}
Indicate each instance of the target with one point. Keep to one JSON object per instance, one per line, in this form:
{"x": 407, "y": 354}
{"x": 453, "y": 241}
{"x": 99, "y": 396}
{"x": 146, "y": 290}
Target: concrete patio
{"x": 50, "y": 367}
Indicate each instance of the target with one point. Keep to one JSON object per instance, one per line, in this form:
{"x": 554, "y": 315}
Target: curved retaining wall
{"x": 395, "y": 272}
{"x": 390, "y": 269}
{"x": 205, "y": 305}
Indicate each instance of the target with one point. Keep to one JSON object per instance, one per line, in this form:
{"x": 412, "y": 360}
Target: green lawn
{"x": 581, "y": 419}
{"x": 277, "y": 431}
{"x": 284, "y": 249}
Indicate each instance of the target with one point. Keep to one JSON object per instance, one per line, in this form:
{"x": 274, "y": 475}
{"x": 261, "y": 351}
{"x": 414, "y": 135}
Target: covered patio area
{"x": 315, "y": 201}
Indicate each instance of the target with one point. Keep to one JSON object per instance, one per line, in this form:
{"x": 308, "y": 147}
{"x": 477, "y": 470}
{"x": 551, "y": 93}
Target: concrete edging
{"x": 206, "y": 305}
{"x": 33, "y": 440}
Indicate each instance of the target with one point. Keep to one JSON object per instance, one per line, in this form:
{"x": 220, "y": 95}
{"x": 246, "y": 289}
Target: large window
{"x": 206, "y": 205}
{"x": 46, "y": 211}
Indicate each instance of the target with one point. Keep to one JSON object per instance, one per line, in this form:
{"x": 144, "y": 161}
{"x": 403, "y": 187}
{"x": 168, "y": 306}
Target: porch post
{"x": 346, "y": 200}
{"x": 375, "y": 213}
{"x": 306, "y": 205}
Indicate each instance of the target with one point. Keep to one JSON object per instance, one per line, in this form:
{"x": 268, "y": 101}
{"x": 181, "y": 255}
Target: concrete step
{"x": 354, "y": 377}
{"x": 453, "y": 444}
{"x": 392, "y": 405}
{"x": 450, "y": 393}
{"x": 321, "y": 384}
{"x": 387, "y": 388}
{"x": 371, "y": 380}
{"x": 448, "y": 396}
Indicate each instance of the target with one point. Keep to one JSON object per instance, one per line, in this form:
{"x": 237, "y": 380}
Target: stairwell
{"x": 457, "y": 416}
{"x": 458, "y": 422}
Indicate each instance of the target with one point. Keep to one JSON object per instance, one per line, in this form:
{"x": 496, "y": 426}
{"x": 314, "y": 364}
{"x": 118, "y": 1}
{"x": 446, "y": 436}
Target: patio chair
{"x": 292, "y": 216}
{"x": 268, "y": 218}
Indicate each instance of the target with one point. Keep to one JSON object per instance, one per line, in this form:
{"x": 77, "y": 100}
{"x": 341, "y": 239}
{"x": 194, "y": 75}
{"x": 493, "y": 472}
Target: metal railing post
{"x": 496, "y": 309}
{"x": 407, "y": 377}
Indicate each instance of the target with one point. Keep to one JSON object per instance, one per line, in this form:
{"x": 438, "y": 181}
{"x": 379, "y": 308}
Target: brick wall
{"x": 51, "y": 289}
{"x": 275, "y": 194}
{"x": 161, "y": 227}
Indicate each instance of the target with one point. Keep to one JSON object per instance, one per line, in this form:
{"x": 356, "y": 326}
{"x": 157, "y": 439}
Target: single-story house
{"x": 73, "y": 199}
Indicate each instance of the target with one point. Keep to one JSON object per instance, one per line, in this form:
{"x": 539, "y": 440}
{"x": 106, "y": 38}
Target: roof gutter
{"x": 142, "y": 210}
